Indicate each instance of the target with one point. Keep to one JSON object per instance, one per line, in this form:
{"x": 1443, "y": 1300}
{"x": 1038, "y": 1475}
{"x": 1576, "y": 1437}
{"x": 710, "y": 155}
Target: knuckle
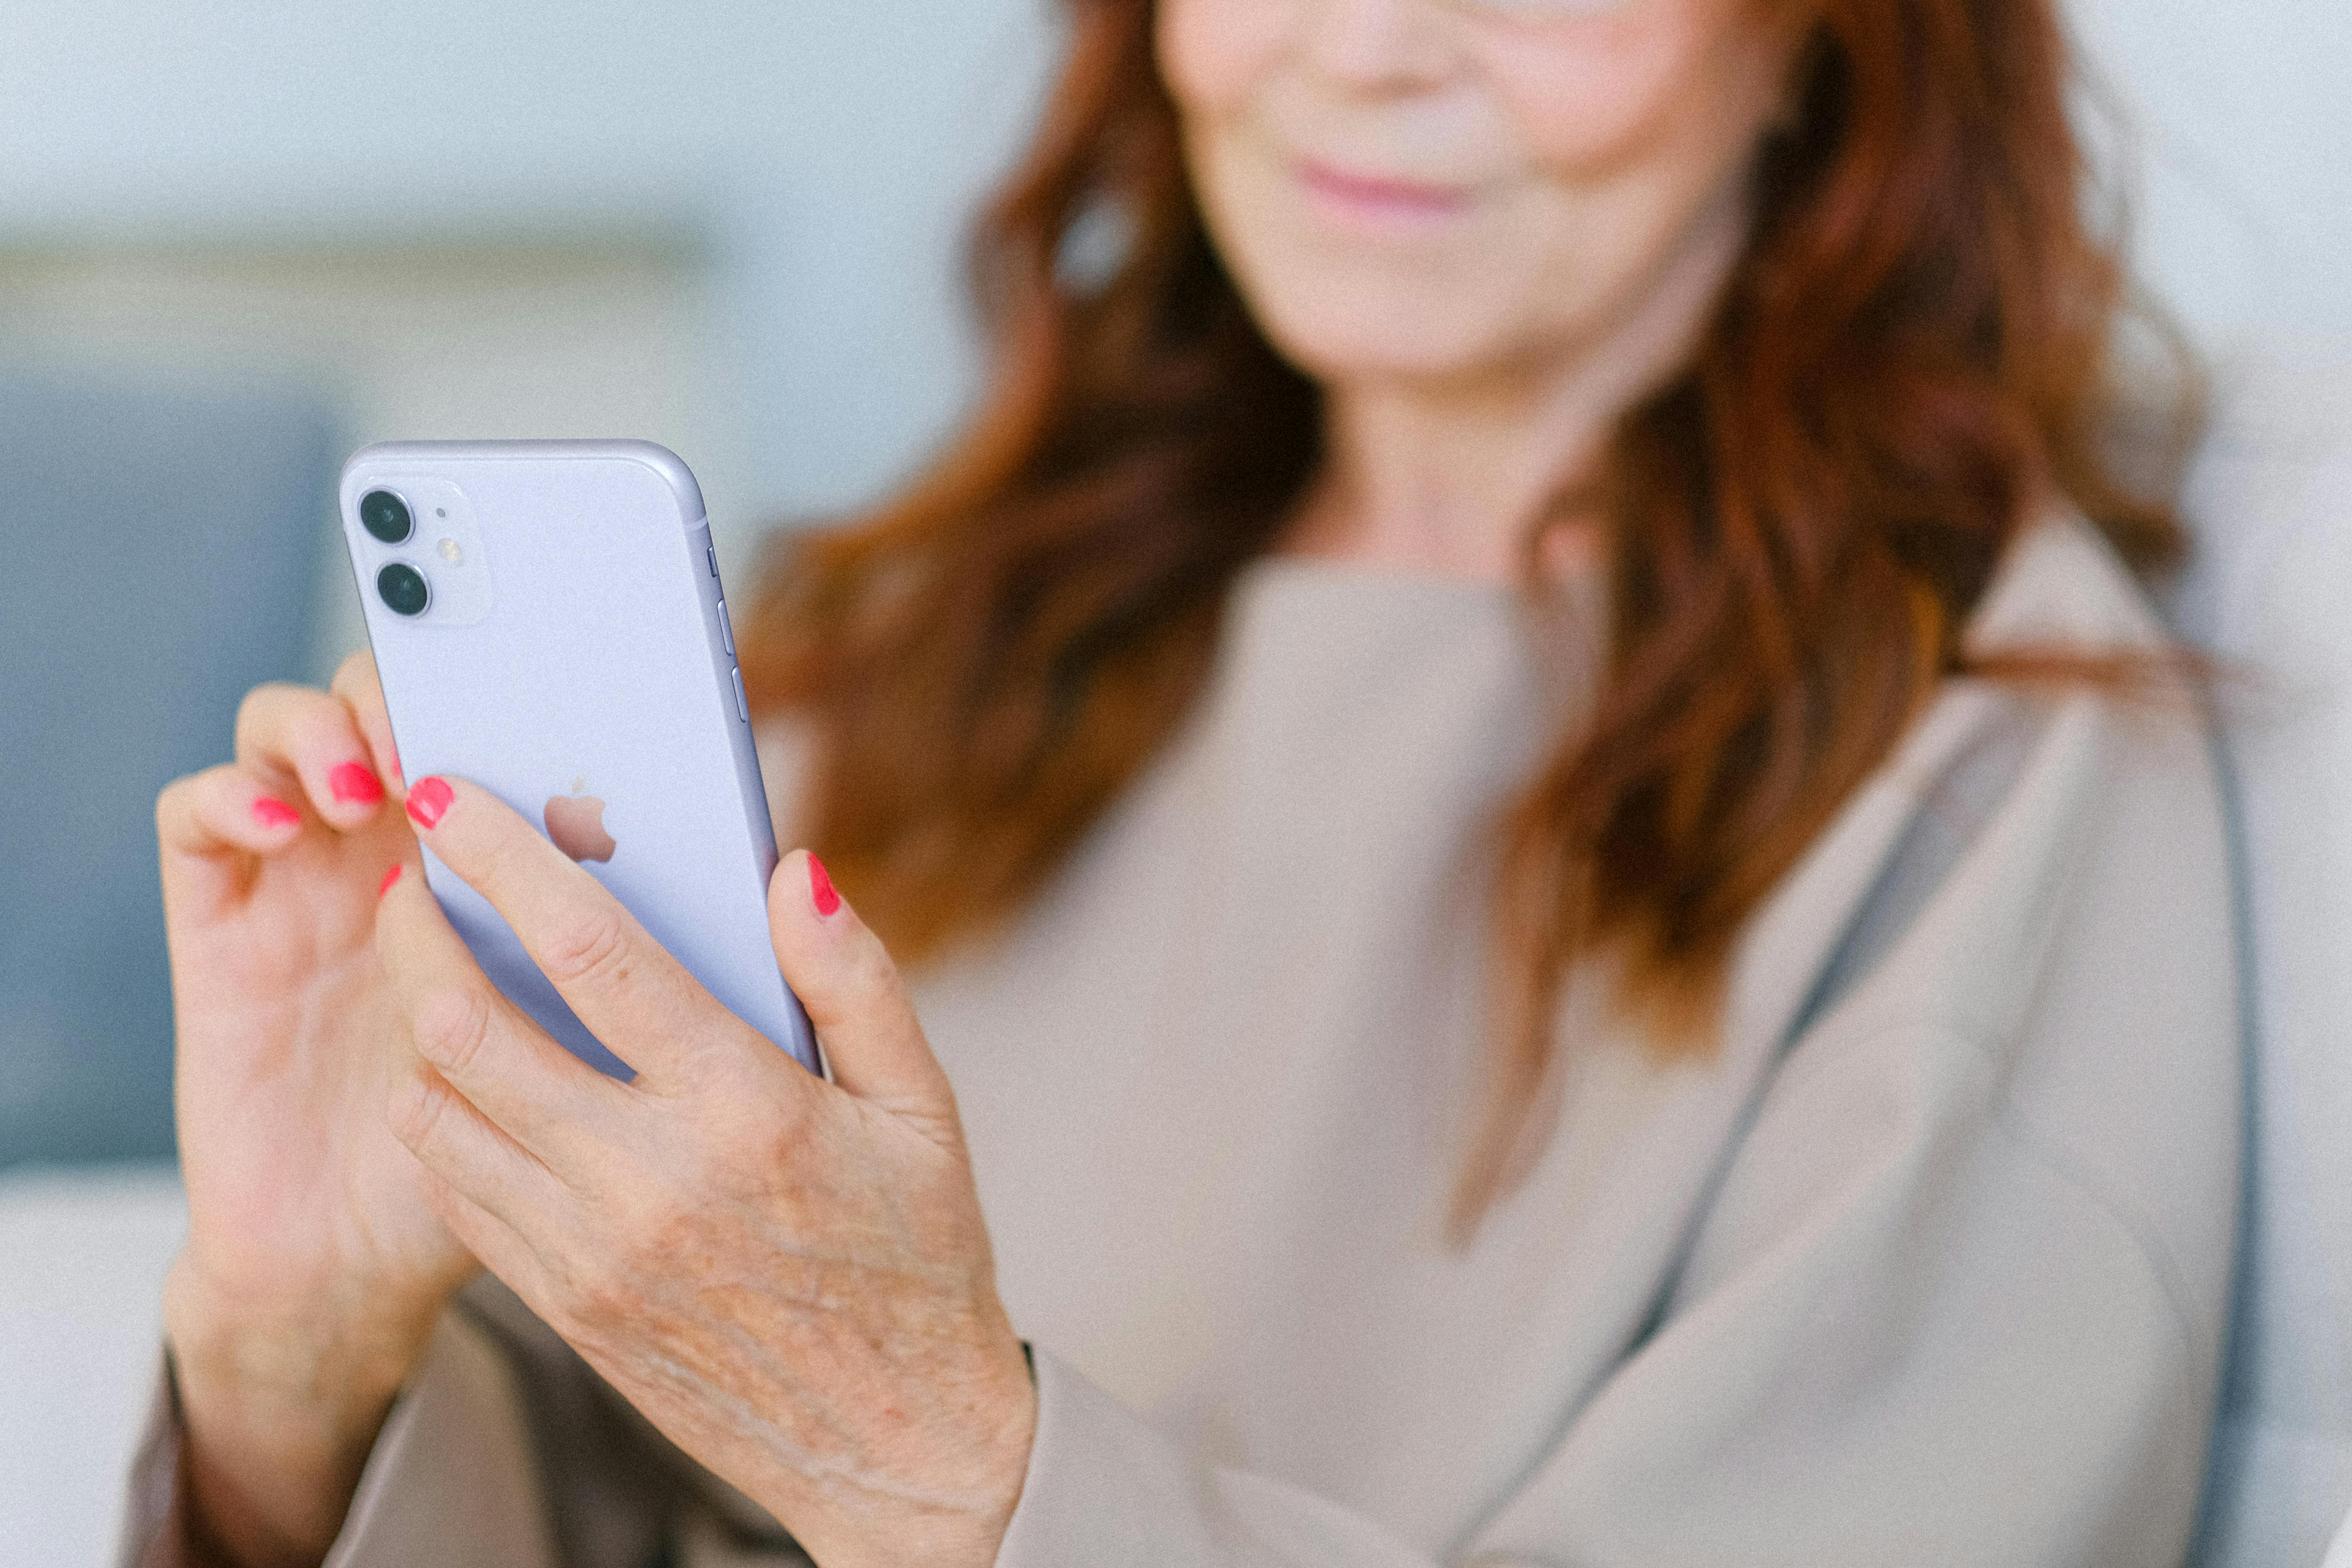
{"x": 587, "y": 946}
{"x": 254, "y": 702}
{"x": 451, "y": 1028}
{"x": 263, "y": 703}
{"x": 175, "y": 800}
{"x": 279, "y": 720}
{"x": 356, "y": 674}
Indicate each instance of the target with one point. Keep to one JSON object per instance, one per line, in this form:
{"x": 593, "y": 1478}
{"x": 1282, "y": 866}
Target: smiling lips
{"x": 1376, "y": 201}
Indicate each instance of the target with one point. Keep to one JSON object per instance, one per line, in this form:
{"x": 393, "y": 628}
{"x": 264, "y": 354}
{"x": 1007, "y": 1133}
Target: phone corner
{"x": 673, "y": 472}
{"x": 374, "y": 454}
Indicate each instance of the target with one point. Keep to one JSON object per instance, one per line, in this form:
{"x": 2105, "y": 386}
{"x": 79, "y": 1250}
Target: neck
{"x": 1450, "y": 476}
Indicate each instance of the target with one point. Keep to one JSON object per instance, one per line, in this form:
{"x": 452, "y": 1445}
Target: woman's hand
{"x": 790, "y": 1278}
{"x": 314, "y": 1266}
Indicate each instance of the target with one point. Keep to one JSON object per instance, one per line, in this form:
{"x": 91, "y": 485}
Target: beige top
{"x": 1928, "y": 1263}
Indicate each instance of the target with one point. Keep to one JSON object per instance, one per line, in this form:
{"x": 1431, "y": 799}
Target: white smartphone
{"x": 548, "y": 622}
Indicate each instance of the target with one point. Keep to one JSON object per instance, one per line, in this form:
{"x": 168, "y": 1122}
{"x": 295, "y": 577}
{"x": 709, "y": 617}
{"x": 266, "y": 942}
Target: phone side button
{"x": 726, "y": 630}
{"x": 741, "y": 705}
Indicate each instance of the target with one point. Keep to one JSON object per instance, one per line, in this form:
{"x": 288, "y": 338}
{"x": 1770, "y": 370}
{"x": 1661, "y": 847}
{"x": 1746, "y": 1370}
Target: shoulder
{"x": 2032, "y": 815}
{"x": 2005, "y": 791}
{"x": 2046, "y": 792}
{"x": 2041, "y": 961}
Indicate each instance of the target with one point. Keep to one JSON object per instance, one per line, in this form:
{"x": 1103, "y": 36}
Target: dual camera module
{"x": 402, "y": 586}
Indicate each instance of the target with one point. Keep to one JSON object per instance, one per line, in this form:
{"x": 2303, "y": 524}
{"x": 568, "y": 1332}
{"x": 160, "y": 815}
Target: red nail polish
{"x": 355, "y": 784}
{"x": 274, "y": 813}
{"x": 391, "y": 879}
{"x": 429, "y": 802}
{"x": 821, "y": 888}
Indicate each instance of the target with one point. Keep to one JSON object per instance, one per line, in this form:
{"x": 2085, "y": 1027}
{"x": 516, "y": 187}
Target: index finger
{"x": 624, "y": 985}
{"x": 537, "y": 1095}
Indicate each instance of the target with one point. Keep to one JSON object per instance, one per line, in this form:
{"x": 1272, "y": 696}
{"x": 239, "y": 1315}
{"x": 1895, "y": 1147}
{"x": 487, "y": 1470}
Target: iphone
{"x": 548, "y": 621}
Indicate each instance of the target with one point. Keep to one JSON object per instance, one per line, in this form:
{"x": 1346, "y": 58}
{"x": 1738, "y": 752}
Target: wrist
{"x": 969, "y": 1478}
{"x": 300, "y": 1361}
{"x": 279, "y": 1408}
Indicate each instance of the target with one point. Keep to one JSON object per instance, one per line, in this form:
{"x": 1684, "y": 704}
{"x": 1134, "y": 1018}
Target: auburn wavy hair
{"x": 1910, "y": 354}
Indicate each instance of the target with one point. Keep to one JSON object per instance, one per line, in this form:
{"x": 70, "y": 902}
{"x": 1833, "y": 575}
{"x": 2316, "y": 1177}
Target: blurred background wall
{"x": 728, "y": 227}
{"x": 731, "y": 226}
{"x": 725, "y": 224}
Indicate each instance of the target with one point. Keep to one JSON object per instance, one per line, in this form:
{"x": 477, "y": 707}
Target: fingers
{"x": 356, "y": 685}
{"x": 495, "y": 1244}
{"x": 311, "y": 741}
{"x": 627, "y": 989}
{"x": 223, "y": 811}
{"x": 454, "y": 1140}
{"x": 542, "y": 1103}
{"x": 212, "y": 827}
{"x": 856, "y": 998}
{"x": 490, "y": 1192}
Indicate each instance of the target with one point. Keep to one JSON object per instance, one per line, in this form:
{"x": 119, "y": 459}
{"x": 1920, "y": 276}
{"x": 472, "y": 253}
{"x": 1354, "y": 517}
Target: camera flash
{"x": 450, "y": 553}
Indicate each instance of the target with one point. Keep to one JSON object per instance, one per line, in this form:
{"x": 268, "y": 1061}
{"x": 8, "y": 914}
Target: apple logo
{"x": 576, "y": 823}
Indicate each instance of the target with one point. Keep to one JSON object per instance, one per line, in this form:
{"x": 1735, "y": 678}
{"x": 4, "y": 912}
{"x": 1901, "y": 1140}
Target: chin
{"x": 1338, "y": 335}
{"x": 1341, "y": 312}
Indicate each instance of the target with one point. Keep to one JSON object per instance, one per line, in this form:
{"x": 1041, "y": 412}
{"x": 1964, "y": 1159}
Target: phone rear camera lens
{"x": 404, "y": 587}
{"x": 385, "y": 515}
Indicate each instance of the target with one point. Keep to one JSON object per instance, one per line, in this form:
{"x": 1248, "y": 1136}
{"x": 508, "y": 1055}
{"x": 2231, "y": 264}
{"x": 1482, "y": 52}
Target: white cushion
{"x": 85, "y": 1252}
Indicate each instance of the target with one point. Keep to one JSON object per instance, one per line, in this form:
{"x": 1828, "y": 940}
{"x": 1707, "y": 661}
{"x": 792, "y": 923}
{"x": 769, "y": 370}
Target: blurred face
{"x": 1446, "y": 188}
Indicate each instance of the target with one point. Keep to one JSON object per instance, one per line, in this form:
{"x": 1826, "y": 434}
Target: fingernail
{"x": 355, "y": 784}
{"x": 429, "y": 802}
{"x": 391, "y": 879}
{"x": 821, "y": 888}
{"x": 273, "y": 813}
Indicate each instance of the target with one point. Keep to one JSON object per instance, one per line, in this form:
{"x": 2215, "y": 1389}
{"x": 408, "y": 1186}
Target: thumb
{"x": 854, "y": 996}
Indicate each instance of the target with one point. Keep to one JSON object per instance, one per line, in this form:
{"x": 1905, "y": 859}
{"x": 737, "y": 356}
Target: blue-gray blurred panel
{"x": 159, "y": 555}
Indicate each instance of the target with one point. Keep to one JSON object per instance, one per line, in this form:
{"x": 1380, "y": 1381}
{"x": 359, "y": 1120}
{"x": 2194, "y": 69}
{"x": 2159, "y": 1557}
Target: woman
{"x": 1573, "y": 910}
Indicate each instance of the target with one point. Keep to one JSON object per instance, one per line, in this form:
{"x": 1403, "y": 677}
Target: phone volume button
{"x": 741, "y": 705}
{"x": 725, "y": 629}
